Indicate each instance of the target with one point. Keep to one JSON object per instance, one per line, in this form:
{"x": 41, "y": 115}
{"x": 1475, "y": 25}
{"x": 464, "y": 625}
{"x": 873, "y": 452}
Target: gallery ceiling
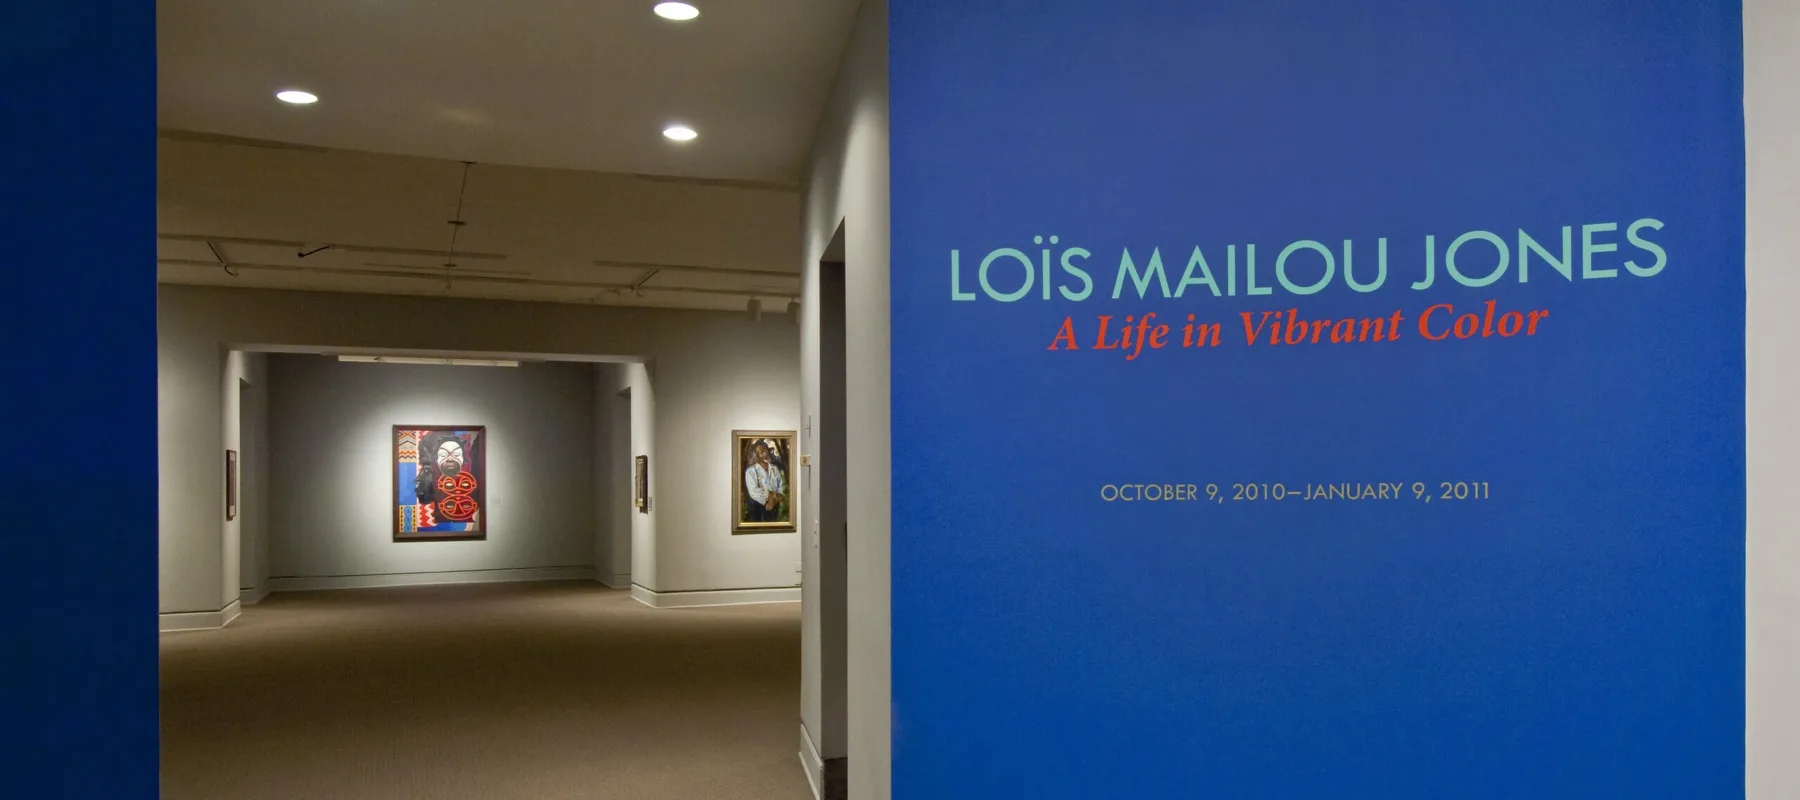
{"x": 282, "y": 217}
{"x": 537, "y": 126}
{"x": 570, "y": 84}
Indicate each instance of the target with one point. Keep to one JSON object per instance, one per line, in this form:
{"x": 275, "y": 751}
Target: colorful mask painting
{"x": 440, "y": 482}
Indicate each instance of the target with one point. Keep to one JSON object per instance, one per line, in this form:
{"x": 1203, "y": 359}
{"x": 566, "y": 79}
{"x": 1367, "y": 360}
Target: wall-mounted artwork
{"x": 640, "y": 483}
{"x": 760, "y": 482}
{"x": 231, "y": 483}
{"x": 440, "y": 482}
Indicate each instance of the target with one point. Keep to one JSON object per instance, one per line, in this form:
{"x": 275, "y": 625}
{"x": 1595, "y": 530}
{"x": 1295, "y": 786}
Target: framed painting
{"x": 640, "y": 483}
{"x": 231, "y": 485}
{"x": 760, "y": 482}
{"x": 440, "y": 482}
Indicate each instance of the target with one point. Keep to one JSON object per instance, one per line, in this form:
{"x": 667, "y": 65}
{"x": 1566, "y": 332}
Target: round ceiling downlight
{"x": 680, "y": 133}
{"x": 680, "y": 12}
{"x": 297, "y": 97}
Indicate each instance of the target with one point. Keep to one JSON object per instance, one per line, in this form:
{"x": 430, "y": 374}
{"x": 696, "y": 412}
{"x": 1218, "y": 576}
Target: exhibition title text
{"x": 1475, "y": 260}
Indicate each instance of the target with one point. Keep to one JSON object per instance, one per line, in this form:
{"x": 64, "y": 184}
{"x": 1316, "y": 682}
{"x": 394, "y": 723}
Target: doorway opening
{"x": 614, "y": 554}
{"x": 829, "y": 534}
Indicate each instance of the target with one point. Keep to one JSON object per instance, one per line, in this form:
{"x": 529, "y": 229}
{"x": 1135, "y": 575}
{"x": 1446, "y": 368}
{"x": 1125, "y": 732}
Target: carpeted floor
{"x": 502, "y": 691}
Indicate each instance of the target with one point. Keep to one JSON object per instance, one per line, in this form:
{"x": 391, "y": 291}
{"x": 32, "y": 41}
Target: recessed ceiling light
{"x": 680, "y": 12}
{"x": 297, "y": 97}
{"x": 680, "y": 133}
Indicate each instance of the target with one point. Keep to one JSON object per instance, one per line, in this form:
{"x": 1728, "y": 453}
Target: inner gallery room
{"x": 305, "y": 338}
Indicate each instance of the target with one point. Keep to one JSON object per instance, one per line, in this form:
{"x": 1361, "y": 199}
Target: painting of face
{"x": 450, "y": 457}
{"x": 761, "y": 482}
{"x": 440, "y": 483}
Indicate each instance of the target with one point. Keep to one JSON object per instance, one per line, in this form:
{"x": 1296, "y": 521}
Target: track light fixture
{"x": 441, "y": 362}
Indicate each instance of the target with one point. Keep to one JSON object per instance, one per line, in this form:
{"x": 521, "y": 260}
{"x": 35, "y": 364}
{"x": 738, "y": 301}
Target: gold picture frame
{"x": 762, "y": 482}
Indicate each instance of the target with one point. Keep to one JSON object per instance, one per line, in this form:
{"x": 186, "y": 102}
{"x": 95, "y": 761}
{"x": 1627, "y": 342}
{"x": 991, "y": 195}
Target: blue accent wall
{"x": 78, "y": 92}
{"x": 1571, "y": 627}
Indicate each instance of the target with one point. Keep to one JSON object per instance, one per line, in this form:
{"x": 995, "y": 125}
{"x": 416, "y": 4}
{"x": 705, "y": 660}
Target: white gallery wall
{"x": 252, "y": 436}
{"x": 614, "y": 502}
{"x": 203, "y": 577}
{"x": 636, "y": 532}
{"x": 190, "y": 508}
{"x": 331, "y": 455}
{"x": 1772, "y": 338}
{"x": 704, "y": 390}
{"x": 700, "y": 375}
{"x": 848, "y": 183}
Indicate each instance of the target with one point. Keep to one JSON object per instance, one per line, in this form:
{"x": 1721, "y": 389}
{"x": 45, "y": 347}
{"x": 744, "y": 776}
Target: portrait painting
{"x": 231, "y": 485}
{"x": 440, "y": 482}
{"x": 762, "y": 482}
{"x": 640, "y": 483}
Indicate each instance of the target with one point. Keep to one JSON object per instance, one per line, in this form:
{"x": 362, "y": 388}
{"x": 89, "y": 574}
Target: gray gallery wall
{"x": 331, "y": 497}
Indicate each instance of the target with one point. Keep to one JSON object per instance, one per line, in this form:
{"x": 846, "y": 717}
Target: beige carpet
{"x": 527, "y": 691}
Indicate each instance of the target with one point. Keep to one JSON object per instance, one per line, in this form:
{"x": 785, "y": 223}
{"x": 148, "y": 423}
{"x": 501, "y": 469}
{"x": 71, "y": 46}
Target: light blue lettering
{"x": 1430, "y": 265}
{"x": 1205, "y": 279}
{"x": 1154, "y": 269}
{"x": 956, "y": 292}
{"x": 1007, "y": 252}
{"x": 1499, "y": 269}
{"x": 1589, "y": 248}
{"x": 1087, "y": 283}
{"x": 1380, "y": 267}
{"x": 1528, "y": 245}
{"x": 1304, "y": 244}
{"x": 1231, "y": 270}
{"x": 1662, "y": 256}
{"x": 1250, "y": 273}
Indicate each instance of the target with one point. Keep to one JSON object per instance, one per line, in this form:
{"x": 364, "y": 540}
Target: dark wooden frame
{"x": 738, "y": 526}
{"x": 640, "y": 483}
{"x": 231, "y": 485}
{"x": 394, "y": 478}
